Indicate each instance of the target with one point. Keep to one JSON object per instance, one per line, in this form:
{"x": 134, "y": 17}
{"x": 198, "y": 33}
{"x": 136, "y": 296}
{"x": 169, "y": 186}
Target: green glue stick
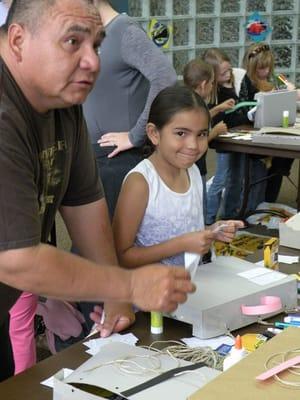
{"x": 156, "y": 322}
{"x": 285, "y": 119}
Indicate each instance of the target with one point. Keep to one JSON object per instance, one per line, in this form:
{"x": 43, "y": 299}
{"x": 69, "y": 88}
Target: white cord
{"x": 128, "y": 366}
{"x": 284, "y": 357}
{"x": 179, "y": 350}
{"x": 176, "y": 351}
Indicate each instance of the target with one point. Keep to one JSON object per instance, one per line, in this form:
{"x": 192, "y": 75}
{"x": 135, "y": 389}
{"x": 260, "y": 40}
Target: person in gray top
{"x": 133, "y": 71}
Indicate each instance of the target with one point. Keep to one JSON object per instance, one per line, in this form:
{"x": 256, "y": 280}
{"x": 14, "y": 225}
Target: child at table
{"x": 200, "y": 77}
{"x": 223, "y": 90}
{"x": 159, "y": 213}
{"x": 260, "y": 77}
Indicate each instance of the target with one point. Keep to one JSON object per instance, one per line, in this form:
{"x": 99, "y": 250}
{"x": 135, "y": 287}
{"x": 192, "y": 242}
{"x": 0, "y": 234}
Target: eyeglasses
{"x": 264, "y": 47}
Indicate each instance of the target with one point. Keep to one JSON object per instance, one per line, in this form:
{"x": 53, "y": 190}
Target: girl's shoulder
{"x": 194, "y": 173}
{"x": 143, "y": 169}
{"x": 136, "y": 182}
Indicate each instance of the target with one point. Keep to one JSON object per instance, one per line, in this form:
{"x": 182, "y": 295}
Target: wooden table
{"x": 27, "y": 384}
{"x": 247, "y": 147}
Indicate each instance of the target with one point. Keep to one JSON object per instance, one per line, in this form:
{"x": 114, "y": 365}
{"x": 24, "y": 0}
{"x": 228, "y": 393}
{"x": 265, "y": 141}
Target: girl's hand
{"x": 218, "y": 129}
{"x": 290, "y": 86}
{"x": 225, "y": 230}
{"x": 226, "y": 105}
{"x": 199, "y": 242}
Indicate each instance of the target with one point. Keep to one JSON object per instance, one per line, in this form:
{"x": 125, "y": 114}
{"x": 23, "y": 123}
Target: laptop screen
{"x": 271, "y": 105}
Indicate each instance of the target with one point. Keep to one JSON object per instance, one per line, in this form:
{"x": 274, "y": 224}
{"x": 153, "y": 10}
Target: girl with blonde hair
{"x": 224, "y": 91}
{"x": 259, "y": 64}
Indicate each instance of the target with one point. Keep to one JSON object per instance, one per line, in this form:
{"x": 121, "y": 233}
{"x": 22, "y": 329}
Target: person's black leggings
{"x": 280, "y": 167}
{"x": 7, "y": 367}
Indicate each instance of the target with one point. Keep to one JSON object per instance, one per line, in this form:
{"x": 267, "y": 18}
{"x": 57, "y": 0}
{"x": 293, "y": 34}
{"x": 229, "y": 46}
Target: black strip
{"x": 161, "y": 378}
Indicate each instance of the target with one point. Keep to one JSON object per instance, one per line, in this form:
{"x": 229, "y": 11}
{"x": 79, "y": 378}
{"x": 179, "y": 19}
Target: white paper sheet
{"x": 49, "y": 382}
{"x": 288, "y": 259}
{"x": 94, "y": 345}
{"x": 213, "y": 342}
{"x": 191, "y": 262}
{"x": 262, "y": 276}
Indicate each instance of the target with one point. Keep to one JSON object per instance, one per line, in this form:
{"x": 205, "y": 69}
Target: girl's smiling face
{"x": 224, "y": 73}
{"x": 182, "y": 141}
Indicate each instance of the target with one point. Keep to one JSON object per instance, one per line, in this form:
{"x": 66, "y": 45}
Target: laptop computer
{"x": 270, "y": 107}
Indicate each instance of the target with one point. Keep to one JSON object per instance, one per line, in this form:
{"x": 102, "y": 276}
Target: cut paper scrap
{"x": 288, "y": 259}
{"x": 214, "y": 343}
{"x": 191, "y": 262}
{"x": 49, "y": 381}
{"x": 94, "y": 345}
{"x": 246, "y": 137}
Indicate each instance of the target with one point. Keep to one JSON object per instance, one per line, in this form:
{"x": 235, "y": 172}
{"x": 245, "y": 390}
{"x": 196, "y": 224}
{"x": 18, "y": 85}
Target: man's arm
{"x": 90, "y": 230}
{"x": 50, "y": 272}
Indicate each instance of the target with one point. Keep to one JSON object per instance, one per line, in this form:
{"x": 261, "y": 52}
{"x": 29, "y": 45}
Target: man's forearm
{"x": 50, "y": 272}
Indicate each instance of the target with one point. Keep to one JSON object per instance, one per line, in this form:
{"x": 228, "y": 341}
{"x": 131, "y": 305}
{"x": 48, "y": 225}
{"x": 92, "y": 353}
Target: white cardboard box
{"x": 289, "y": 232}
{"x": 109, "y": 376}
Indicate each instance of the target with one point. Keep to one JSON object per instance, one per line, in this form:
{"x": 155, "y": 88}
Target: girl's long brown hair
{"x": 215, "y": 57}
{"x": 259, "y": 55}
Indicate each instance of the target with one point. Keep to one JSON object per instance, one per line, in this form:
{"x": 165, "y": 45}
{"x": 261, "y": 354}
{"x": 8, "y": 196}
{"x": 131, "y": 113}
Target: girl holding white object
{"x": 159, "y": 215}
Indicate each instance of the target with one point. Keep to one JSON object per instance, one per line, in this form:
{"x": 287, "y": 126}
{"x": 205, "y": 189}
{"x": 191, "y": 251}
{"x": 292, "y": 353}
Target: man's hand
{"x": 159, "y": 288}
{"x": 117, "y": 317}
{"x": 118, "y": 139}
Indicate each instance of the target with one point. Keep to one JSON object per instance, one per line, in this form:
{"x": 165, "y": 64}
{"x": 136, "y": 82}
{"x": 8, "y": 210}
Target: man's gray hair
{"x": 29, "y": 13}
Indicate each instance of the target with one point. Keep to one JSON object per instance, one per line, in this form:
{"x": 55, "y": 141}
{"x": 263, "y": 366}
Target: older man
{"x": 49, "y": 64}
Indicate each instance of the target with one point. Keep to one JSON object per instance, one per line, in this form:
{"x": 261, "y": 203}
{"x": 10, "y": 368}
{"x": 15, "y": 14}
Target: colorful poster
{"x": 257, "y": 28}
{"x": 159, "y": 33}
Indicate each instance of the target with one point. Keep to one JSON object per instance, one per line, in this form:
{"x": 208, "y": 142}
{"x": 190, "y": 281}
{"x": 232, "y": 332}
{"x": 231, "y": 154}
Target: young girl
{"x": 260, "y": 77}
{"x": 199, "y": 76}
{"x": 159, "y": 213}
{"x": 223, "y": 90}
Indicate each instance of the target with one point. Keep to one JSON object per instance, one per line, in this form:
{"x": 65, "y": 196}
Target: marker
{"x": 291, "y": 318}
{"x": 275, "y": 331}
{"x": 102, "y": 318}
{"x": 282, "y": 78}
{"x": 286, "y": 325}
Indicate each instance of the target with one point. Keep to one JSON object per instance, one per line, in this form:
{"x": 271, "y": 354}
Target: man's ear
{"x": 16, "y": 36}
{"x": 152, "y": 133}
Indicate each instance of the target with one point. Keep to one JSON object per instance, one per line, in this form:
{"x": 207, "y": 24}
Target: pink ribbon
{"x": 268, "y": 304}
